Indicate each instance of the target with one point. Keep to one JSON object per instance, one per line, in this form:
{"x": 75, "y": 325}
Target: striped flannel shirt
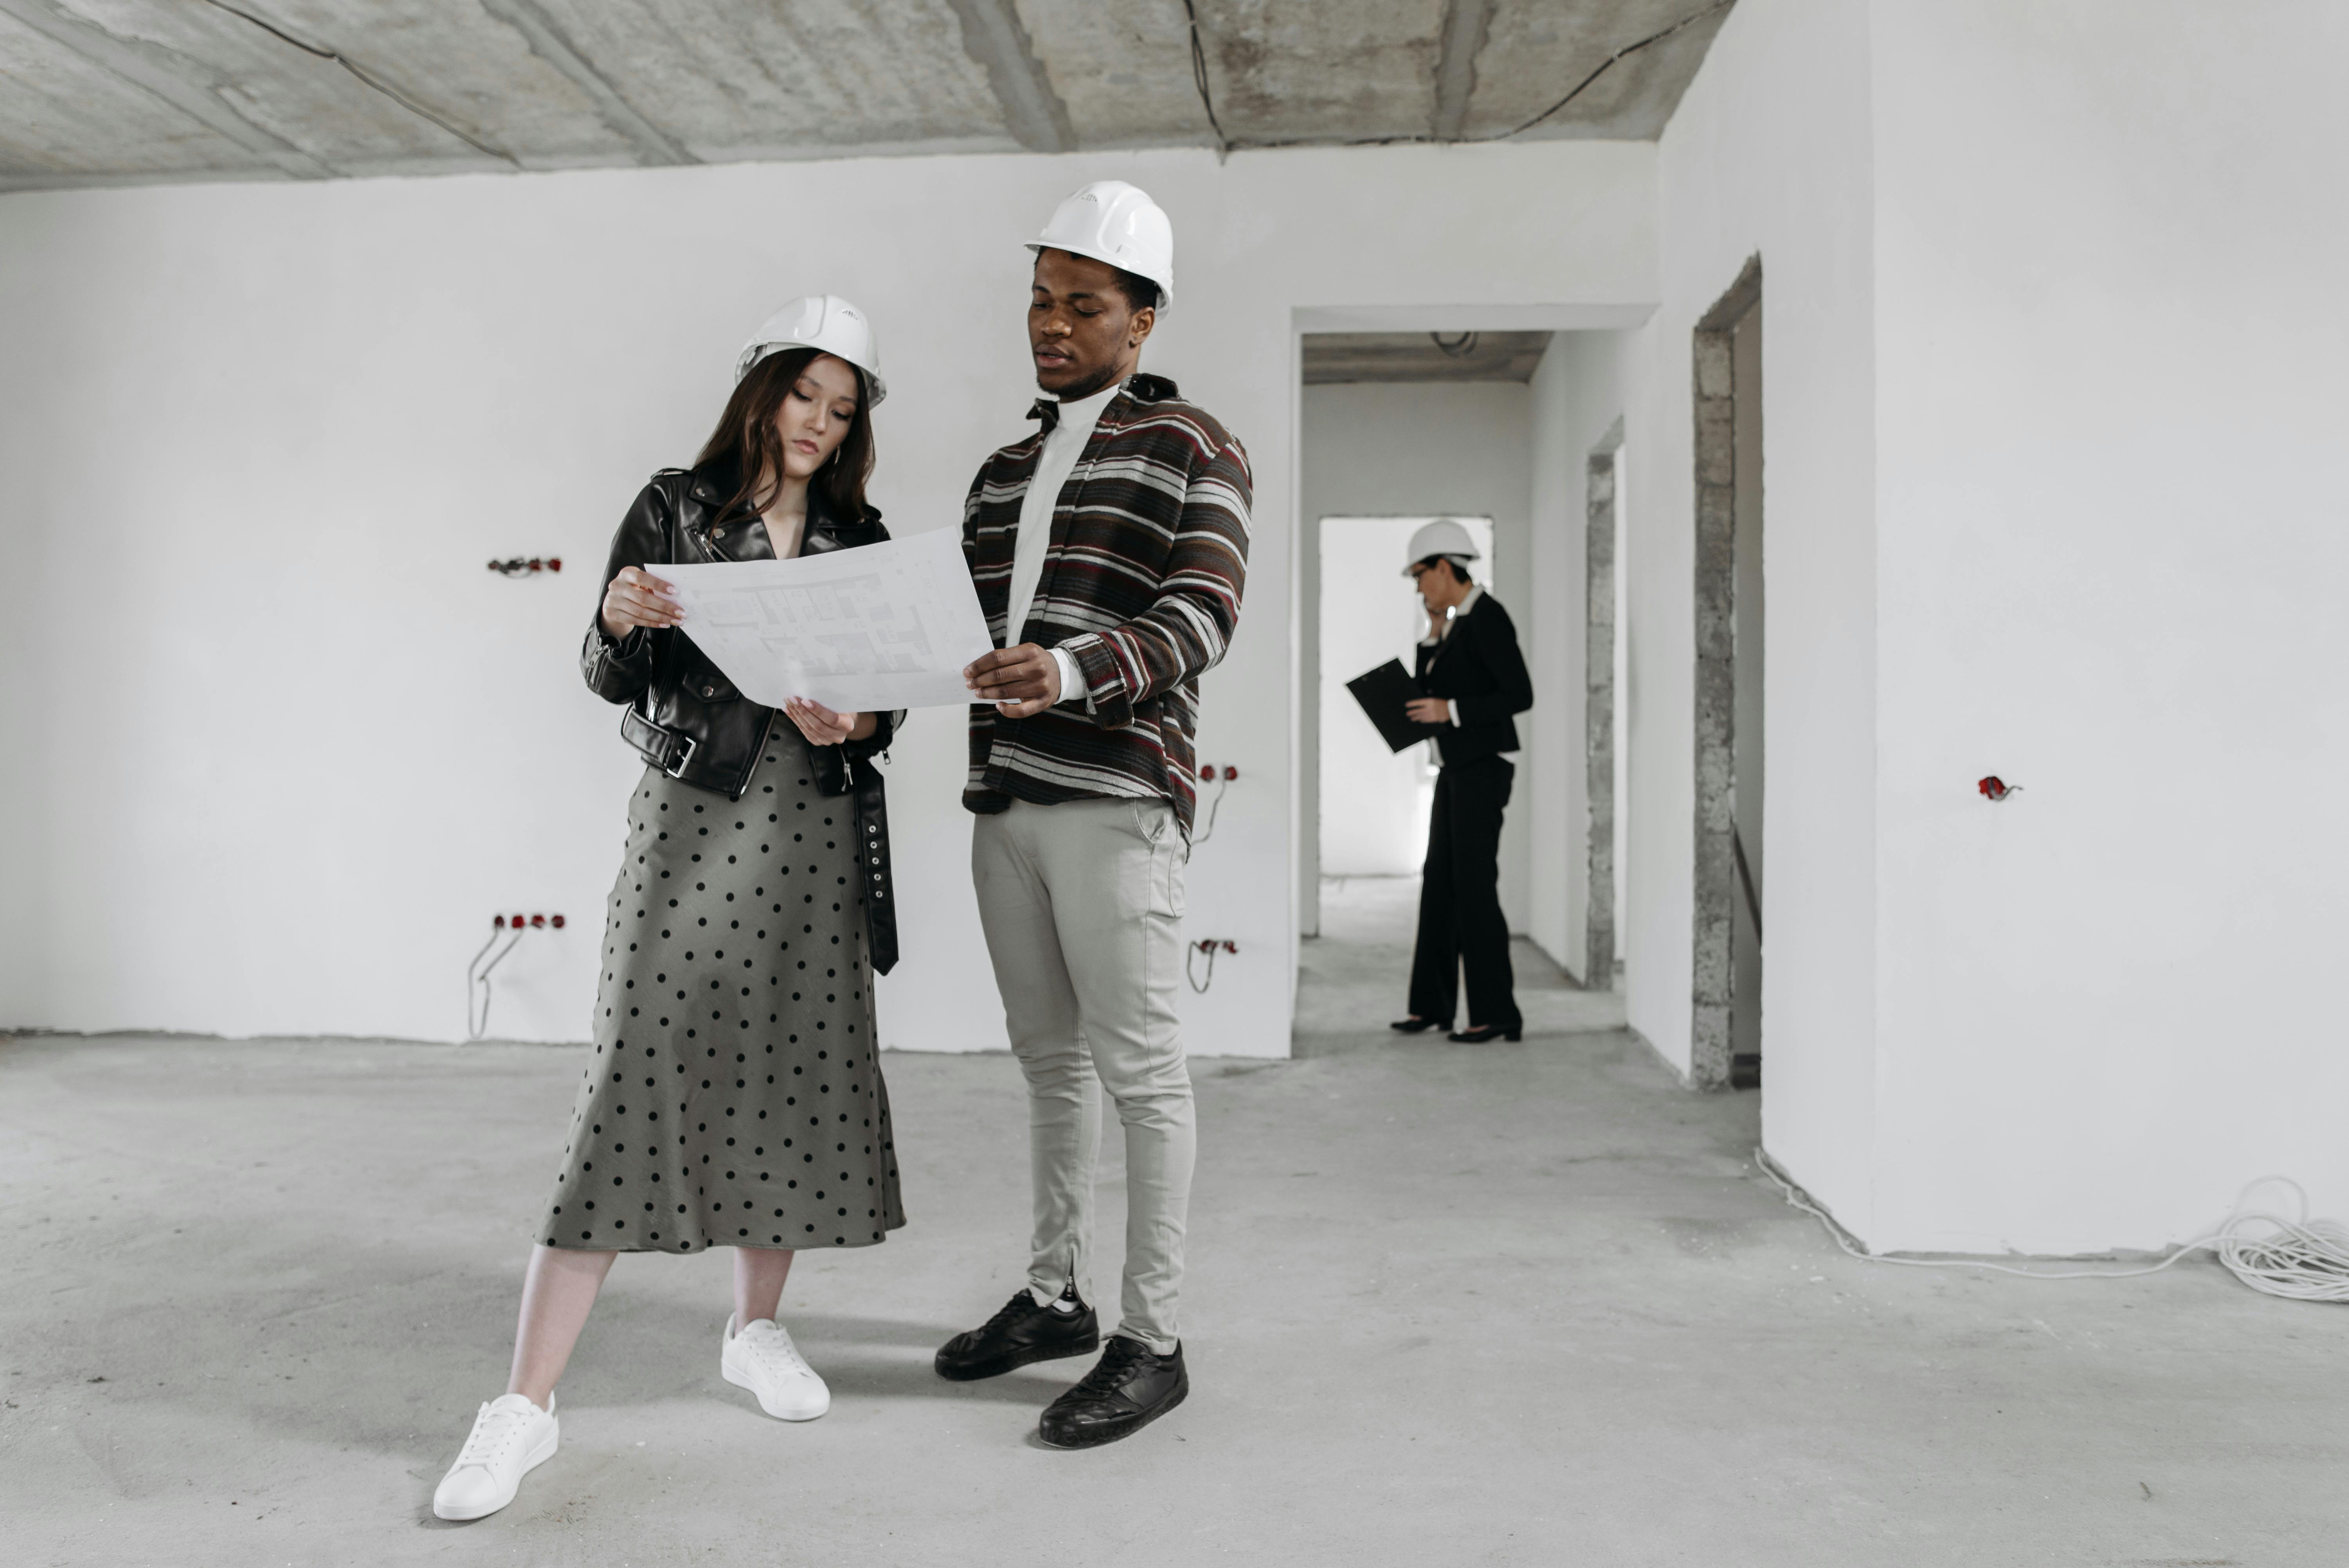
{"x": 1141, "y": 584}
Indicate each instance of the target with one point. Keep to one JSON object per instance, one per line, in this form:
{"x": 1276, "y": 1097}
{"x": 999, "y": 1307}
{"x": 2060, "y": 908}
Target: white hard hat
{"x": 1442, "y": 537}
{"x": 1113, "y": 221}
{"x": 819, "y": 321}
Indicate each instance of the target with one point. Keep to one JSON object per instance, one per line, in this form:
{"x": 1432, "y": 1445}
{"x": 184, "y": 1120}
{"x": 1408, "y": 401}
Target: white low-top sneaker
{"x": 511, "y": 1438}
{"x": 763, "y": 1359}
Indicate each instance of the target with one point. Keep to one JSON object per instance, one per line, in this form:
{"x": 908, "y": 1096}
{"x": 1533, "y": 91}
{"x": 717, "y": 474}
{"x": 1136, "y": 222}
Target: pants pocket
{"x": 1154, "y": 821}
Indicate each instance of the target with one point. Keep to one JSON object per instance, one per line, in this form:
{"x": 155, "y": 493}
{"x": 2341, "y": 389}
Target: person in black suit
{"x": 1476, "y": 681}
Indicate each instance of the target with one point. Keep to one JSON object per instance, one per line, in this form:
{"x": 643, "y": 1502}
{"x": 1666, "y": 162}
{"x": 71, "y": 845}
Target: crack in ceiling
{"x": 137, "y": 91}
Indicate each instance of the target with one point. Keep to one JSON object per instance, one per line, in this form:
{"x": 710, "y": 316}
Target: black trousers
{"x": 1460, "y": 920}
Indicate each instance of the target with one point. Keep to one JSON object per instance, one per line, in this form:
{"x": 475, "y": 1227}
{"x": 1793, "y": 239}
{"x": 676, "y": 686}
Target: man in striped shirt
{"x": 1108, "y": 550}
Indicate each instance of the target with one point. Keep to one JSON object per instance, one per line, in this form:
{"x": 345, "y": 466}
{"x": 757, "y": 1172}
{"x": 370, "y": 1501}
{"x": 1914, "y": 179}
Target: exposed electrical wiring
{"x": 1210, "y": 945}
{"x": 1745, "y": 880}
{"x": 1227, "y": 145}
{"x": 2299, "y": 1259}
{"x": 1459, "y": 347}
{"x": 1199, "y": 80}
{"x": 368, "y": 78}
{"x": 477, "y": 974}
{"x": 1215, "y": 804}
{"x": 1608, "y": 64}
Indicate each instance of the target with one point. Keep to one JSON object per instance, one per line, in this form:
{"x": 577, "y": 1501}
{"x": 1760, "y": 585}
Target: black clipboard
{"x": 1383, "y": 692}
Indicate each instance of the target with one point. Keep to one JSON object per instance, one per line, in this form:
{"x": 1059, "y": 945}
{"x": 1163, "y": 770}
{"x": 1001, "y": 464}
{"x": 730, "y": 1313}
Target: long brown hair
{"x": 746, "y": 444}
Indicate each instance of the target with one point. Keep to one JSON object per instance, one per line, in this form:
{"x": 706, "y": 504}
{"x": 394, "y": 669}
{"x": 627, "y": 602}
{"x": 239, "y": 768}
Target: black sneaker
{"x": 1021, "y": 1333}
{"x": 1131, "y": 1387}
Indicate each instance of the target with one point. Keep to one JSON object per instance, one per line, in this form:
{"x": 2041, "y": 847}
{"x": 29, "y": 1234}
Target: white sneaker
{"x": 763, "y": 1359}
{"x": 511, "y": 1438}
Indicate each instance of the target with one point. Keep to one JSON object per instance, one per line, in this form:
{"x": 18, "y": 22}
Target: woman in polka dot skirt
{"x": 734, "y": 1097}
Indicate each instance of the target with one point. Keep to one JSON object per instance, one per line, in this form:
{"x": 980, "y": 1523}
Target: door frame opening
{"x": 1601, "y": 531}
{"x": 1721, "y": 878}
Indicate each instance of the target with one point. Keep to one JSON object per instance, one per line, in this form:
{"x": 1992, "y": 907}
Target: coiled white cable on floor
{"x": 2299, "y": 1259}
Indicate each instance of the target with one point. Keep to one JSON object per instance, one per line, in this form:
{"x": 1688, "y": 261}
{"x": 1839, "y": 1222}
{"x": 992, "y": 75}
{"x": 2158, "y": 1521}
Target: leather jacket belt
{"x": 664, "y": 748}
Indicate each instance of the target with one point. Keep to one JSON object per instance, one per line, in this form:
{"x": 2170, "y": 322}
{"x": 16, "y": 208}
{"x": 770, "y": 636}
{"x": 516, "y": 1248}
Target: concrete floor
{"x": 1355, "y": 975}
{"x": 1448, "y": 1305}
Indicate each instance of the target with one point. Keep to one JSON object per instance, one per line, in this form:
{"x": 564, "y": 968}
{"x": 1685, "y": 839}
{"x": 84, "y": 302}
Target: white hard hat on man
{"x": 1443, "y": 537}
{"x": 823, "y": 321}
{"x": 1113, "y": 221}
{"x": 1108, "y": 220}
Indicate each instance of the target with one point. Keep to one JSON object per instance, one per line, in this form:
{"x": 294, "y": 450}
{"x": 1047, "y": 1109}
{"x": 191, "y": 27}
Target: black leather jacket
{"x": 685, "y": 716}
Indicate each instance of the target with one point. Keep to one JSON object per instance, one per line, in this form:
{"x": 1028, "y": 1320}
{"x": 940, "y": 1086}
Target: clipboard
{"x": 1383, "y": 693}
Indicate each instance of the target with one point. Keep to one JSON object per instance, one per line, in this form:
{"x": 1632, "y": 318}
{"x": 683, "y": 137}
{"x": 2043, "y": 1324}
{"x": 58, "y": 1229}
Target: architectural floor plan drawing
{"x": 883, "y": 626}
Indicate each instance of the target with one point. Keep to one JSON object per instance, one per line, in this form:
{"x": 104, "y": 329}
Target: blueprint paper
{"x": 866, "y": 630}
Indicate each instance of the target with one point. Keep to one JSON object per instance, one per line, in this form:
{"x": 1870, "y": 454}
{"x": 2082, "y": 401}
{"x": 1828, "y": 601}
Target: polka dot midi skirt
{"x": 735, "y": 1096}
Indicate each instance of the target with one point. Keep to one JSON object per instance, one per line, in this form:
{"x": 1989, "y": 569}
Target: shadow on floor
{"x": 1355, "y": 977}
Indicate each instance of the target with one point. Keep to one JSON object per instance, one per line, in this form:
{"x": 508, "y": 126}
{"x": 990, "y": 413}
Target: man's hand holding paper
{"x": 1020, "y": 681}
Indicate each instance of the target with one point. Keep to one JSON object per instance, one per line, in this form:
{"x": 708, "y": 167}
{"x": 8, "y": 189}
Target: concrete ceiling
{"x": 111, "y": 92}
{"x": 1335, "y": 356}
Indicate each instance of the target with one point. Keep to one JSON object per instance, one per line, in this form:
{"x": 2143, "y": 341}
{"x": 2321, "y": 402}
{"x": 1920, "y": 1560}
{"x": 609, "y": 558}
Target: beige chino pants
{"x": 1083, "y": 906}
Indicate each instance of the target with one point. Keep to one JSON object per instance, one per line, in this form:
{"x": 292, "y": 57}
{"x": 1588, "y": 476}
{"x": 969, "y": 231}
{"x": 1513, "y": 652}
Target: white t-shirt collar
{"x": 1085, "y": 412}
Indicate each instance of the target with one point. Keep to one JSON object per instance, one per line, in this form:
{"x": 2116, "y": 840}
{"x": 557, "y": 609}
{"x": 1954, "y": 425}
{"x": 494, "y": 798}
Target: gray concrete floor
{"x": 1356, "y": 975}
{"x": 1448, "y": 1305}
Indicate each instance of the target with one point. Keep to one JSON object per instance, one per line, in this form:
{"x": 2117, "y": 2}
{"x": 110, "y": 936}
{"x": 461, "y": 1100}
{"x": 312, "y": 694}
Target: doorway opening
{"x": 1372, "y": 804}
{"x": 1605, "y": 702}
{"x": 1726, "y": 1032}
{"x": 1395, "y": 429}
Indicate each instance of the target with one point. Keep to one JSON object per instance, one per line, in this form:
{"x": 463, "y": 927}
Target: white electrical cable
{"x": 478, "y": 974}
{"x": 1210, "y": 946}
{"x": 2299, "y": 1259}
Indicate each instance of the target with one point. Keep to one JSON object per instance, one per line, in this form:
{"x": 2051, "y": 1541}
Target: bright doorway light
{"x": 1374, "y": 803}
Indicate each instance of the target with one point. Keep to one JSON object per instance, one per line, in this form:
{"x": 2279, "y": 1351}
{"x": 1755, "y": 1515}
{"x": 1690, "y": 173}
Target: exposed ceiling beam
{"x": 547, "y": 42}
{"x": 1033, "y": 112}
{"x": 1465, "y": 24}
{"x": 178, "y": 81}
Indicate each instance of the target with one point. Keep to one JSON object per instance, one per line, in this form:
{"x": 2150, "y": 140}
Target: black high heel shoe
{"x": 1416, "y": 1026}
{"x": 1479, "y": 1035}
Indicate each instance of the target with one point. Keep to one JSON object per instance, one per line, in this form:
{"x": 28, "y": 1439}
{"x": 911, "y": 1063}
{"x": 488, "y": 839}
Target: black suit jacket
{"x": 1479, "y": 670}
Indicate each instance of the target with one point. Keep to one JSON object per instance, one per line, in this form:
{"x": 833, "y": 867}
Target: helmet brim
{"x": 1165, "y": 291}
{"x": 874, "y": 387}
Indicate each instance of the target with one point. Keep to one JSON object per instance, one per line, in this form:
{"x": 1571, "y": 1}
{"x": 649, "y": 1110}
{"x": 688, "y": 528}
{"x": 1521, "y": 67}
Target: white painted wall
{"x": 1769, "y": 152}
{"x": 1556, "y": 814}
{"x": 1405, "y": 449}
{"x": 1577, "y": 393}
{"x": 2051, "y": 403}
{"x": 2111, "y": 558}
{"x": 281, "y": 745}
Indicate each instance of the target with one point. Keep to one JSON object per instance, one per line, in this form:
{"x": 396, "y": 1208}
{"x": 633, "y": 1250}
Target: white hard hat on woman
{"x": 1113, "y": 221}
{"x": 825, "y": 322}
{"x": 1443, "y": 537}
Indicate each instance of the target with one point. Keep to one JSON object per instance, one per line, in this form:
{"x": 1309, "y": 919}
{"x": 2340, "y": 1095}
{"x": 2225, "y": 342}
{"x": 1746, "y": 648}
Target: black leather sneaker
{"x": 1131, "y": 1387}
{"x": 1021, "y": 1333}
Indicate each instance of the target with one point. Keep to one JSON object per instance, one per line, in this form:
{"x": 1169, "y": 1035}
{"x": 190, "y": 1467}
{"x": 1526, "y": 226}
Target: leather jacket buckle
{"x": 681, "y": 749}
